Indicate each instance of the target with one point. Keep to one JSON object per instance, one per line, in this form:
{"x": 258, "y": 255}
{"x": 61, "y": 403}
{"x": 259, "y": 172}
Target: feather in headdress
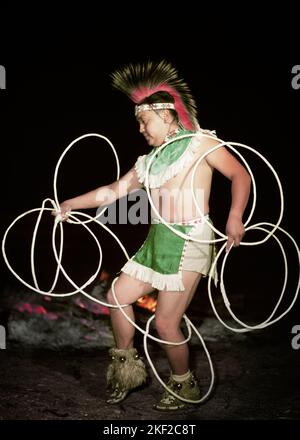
{"x": 138, "y": 81}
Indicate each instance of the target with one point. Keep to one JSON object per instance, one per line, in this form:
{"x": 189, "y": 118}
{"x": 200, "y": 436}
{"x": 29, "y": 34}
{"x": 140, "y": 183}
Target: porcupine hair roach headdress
{"x": 139, "y": 81}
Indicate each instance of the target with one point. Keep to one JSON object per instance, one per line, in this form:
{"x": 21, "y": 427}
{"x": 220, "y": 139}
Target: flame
{"x": 147, "y": 302}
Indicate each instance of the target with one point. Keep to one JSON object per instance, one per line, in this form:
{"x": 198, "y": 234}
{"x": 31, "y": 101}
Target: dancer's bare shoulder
{"x": 206, "y": 142}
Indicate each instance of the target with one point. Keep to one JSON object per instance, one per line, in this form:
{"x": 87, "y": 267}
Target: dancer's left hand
{"x": 235, "y": 231}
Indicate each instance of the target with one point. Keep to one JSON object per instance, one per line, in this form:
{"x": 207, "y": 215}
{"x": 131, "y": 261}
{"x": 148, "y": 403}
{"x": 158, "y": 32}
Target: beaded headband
{"x": 154, "y": 106}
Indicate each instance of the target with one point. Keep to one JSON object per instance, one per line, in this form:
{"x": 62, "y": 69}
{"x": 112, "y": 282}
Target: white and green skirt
{"x": 164, "y": 255}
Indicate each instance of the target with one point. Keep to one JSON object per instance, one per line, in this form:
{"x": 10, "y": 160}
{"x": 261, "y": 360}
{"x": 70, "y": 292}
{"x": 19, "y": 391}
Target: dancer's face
{"x": 153, "y": 126}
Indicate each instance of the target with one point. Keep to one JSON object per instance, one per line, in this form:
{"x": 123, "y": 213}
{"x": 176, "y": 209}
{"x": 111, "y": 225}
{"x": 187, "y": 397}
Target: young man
{"x": 167, "y": 262}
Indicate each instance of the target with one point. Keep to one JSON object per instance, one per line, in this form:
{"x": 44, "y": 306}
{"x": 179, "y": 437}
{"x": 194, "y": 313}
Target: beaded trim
{"x": 154, "y": 106}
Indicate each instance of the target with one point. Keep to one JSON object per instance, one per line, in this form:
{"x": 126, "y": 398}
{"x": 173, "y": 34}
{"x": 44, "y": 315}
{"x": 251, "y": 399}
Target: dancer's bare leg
{"x": 128, "y": 290}
{"x": 171, "y": 306}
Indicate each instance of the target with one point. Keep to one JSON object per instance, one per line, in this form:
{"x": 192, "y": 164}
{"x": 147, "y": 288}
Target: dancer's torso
{"x": 174, "y": 200}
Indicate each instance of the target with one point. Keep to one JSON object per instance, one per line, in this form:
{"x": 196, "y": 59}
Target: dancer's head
{"x": 157, "y": 117}
{"x": 162, "y": 99}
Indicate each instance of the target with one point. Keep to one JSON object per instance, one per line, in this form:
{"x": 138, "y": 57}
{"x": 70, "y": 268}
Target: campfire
{"x": 147, "y": 302}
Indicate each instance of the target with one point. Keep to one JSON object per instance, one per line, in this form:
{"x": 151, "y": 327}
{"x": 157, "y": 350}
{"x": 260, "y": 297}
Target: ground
{"x": 257, "y": 378}
{"x": 53, "y": 370}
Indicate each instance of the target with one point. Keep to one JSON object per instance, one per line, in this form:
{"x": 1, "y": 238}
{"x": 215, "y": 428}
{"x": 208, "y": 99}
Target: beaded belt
{"x": 191, "y": 222}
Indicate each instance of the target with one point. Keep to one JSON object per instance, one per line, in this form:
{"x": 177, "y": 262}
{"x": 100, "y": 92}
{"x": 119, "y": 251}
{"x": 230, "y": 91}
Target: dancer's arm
{"x": 104, "y": 195}
{"x": 222, "y": 160}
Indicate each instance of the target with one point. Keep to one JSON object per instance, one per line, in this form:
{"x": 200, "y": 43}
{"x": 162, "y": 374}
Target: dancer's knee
{"x": 111, "y": 300}
{"x": 110, "y": 297}
{"x": 165, "y": 328}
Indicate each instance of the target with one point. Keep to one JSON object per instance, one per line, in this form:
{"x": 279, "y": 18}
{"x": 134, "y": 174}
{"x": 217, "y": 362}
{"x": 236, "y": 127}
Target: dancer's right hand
{"x": 63, "y": 212}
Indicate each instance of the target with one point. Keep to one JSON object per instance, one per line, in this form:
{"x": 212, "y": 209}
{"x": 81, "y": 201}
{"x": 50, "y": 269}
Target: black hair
{"x": 161, "y": 97}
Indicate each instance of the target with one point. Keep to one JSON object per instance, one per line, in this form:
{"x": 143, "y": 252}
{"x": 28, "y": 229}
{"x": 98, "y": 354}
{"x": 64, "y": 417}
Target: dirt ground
{"x": 43, "y": 380}
{"x": 257, "y": 378}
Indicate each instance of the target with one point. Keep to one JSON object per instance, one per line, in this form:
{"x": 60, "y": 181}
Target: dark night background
{"x": 58, "y": 88}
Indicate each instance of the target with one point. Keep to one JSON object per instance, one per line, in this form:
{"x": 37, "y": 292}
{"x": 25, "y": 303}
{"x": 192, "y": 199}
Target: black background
{"x": 58, "y": 88}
